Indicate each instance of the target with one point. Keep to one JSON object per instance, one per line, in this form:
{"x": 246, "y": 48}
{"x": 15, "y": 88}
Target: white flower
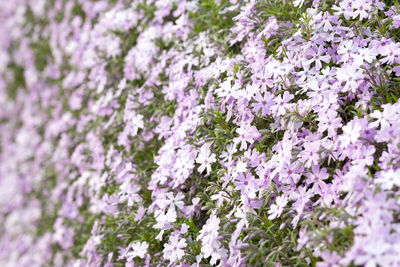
{"x": 205, "y": 158}
{"x": 298, "y": 3}
{"x": 276, "y": 209}
{"x": 138, "y": 249}
{"x": 214, "y": 250}
{"x": 388, "y": 179}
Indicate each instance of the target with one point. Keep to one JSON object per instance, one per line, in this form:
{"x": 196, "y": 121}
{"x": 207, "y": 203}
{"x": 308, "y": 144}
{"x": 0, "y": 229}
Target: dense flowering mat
{"x": 199, "y": 133}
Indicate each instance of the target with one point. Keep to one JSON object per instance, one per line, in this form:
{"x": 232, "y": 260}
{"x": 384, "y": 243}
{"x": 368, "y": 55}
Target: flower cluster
{"x": 193, "y": 133}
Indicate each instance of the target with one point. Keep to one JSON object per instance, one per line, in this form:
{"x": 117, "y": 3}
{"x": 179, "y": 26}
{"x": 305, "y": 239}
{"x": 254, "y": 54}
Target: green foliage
{"x": 42, "y": 52}
{"x": 270, "y": 245}
{"x": 210, "y": 18}
{"x": 18, "y": 81}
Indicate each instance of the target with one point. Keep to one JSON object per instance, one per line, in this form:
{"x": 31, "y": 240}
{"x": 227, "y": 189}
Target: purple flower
{"x": 309, "y": 156}
{"x": 264, "y": 103}
{"x": 247, "y": 134}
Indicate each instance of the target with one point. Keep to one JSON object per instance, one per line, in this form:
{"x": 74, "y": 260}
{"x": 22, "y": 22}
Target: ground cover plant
{"x": 199, "y": 133}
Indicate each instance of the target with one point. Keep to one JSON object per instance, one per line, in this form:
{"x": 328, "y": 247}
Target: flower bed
{"x": 198, "y": 133}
